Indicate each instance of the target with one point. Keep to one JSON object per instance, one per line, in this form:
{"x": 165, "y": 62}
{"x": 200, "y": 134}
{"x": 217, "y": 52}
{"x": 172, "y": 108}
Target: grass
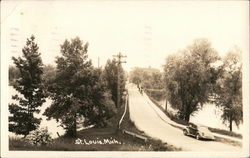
{"x": 224, "y": 132}
{"x": 128, "y": 143}
{"x": 227, "y": 141}
{"x": 68, "y": 144}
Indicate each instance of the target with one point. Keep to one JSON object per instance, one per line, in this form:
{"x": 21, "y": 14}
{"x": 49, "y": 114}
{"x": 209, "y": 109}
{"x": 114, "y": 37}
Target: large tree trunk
{"x": 187, "y": 112}
{"x": 166, "y": 106}
{"x": 71, "y": 132}
{"x": 187, "y": 117}
{"x": 230, "y": 123}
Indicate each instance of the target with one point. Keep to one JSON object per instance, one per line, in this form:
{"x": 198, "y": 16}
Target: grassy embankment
{"x": 215, "y": 130}
{"x": 128, "y": 143}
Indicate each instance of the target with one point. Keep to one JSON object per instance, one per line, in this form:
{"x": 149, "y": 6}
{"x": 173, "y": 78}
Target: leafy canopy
{"x": 77, "y": 89}
{"x": 189, "y": 77}
{"x": 149, "y": 78}
{"x": 110, "y": 77}
{"x": 229, "y": 89}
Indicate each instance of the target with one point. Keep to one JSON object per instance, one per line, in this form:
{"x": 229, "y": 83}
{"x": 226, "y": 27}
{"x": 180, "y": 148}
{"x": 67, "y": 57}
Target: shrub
{"x": 157, "y": 95}
{"x": 39, "y": 137}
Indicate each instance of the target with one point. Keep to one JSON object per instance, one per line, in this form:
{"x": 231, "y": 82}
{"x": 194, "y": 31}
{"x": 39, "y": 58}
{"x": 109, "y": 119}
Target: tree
{"x": 77, "y": 90}
{"x": 151, "y": 79}
{"x": 190, "y": 77}
{"x": 135, "y": 76}
{"x": 110, "y": 76}
{"x": 49, "y": 72}
{"x": 30, "y": 86}
{"x": 229, "y": 89}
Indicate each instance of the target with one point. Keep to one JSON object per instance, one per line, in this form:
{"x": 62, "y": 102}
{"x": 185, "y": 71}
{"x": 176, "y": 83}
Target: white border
{"x": 4, "y": 128}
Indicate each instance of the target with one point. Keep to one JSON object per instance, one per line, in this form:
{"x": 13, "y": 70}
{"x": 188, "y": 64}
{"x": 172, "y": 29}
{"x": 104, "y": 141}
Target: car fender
{"x": 186, "y": 129}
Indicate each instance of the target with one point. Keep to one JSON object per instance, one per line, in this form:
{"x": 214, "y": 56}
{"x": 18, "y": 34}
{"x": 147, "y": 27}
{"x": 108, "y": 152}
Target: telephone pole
{"x": 119, "y": 57}
{"x": 98, "y": 62}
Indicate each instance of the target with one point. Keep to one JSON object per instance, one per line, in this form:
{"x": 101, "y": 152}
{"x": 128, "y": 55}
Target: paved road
{"x": 148, "y": 120}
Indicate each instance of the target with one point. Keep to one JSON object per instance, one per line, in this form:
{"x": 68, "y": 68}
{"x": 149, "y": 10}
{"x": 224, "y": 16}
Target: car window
{"x": 192, "y": 126}
{"x": 205, "y": 129}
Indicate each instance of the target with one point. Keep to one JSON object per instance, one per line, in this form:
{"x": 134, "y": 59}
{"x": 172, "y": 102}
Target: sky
{"x": 145, "y": 31}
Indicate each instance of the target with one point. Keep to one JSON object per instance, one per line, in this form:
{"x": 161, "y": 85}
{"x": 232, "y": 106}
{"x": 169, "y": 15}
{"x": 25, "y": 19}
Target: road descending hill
{"x": 148, "y": 120}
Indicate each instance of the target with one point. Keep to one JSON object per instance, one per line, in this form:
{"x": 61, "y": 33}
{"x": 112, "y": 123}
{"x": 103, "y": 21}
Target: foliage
{"x": 14, "y": 74}
{"x": 78, "y": 90}
{"x": 30, "y": 86}
{"x": 158, "y": 95}
{"x": 49, "y": 72}
{"x": 149, "y": 78}
{"x": 39, "y": 137}
{"x": 229, "y": 89}
{"x": 135, "y": 76}
{"x": 190, "y": 77}
{"x": 110, "y": 77}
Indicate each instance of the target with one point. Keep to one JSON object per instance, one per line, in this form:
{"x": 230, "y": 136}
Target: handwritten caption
{"x": 103, "y": 141}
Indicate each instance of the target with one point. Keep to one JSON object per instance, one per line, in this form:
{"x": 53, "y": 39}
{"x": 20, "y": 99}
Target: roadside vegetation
{"x": 128, "y": 143}
{"x": 198, "y": 75}
{"x": 81, "y": 94}
{"x": 151, "y": 79}
{"x": 194, "y": 76}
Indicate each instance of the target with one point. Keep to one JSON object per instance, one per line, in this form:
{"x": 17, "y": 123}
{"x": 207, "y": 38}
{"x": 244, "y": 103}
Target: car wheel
{"x": 185, "y": 132}
{"x": 198, "y": 137}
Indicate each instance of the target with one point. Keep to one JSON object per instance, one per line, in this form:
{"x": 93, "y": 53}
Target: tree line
{"x": 151, "y": 79}
{"x": 197, "y": 75}
{"x": 81, "y": 94}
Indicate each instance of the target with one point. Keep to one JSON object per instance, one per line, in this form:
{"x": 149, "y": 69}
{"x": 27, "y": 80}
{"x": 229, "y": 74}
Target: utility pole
{"x": 119, "y": 57}
{"x": 98, "y": 62}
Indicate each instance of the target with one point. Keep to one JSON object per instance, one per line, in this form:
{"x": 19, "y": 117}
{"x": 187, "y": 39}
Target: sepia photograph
{"x": 120, "y": 78}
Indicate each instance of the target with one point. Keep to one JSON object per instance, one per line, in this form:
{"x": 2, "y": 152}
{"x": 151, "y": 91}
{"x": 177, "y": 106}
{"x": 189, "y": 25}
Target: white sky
{"x": 145, "y": 31}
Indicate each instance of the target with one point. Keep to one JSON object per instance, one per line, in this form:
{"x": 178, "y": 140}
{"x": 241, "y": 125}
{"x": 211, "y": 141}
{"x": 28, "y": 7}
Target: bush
{"x": 157, "y": 95}
{"x": 39, "y": 137}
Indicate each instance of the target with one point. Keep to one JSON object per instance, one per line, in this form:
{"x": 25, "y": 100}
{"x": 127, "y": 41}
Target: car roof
{"x": 190, "y": 123}
{"x": 196, "y": 124}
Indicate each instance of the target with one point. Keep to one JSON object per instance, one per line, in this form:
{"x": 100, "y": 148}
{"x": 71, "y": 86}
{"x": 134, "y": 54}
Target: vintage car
{"x": 198, "y": 131}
